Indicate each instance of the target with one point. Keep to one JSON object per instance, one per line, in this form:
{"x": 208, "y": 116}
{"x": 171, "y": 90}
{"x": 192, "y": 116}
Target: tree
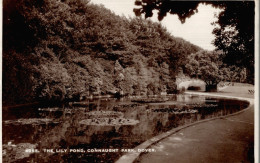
{"x": 205, "y": 65}
{"x": 208, "y": 66}
{"x": 182, "y": 9}
{"x": 234, "y": 30}
{"x": 53, "y": 83}
{"x": 119, "y": 76}
{"x": 234, "y": 35}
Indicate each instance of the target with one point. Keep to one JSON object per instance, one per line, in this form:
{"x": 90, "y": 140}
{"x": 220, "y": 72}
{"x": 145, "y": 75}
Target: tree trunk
{"x": 211, "y": 88}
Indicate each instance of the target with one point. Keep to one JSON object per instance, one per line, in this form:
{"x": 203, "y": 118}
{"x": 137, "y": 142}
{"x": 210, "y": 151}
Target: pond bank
{"x": 222, "y": 139}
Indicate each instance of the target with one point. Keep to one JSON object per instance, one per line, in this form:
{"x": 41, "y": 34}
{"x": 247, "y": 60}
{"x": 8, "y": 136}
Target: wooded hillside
{"x": 64, "y": 50}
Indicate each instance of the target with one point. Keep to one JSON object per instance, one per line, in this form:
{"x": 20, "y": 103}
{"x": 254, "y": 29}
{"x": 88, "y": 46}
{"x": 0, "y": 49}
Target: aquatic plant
{"x": 13, "y": 152}
{"x": 100, "y": 114}
{"x": 150, "y": 100}
{"x": 176, "y": 110}
{"x": 109, "y": 121}
{"x": 35, "y": 121}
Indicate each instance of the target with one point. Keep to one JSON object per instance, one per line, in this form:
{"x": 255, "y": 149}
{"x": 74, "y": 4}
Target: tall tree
{"x": 234, "y": 35}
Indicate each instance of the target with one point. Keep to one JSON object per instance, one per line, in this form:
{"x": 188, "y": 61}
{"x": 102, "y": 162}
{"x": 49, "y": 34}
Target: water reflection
{"x": 102, "y": 124}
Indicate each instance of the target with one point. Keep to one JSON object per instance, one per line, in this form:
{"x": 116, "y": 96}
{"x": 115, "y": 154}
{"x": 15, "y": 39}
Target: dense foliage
{"x": 234, "y": 32}
{"x": 207, "y": 66}
{"x": 65, "y": 50}
{"x": 234, "y": 29}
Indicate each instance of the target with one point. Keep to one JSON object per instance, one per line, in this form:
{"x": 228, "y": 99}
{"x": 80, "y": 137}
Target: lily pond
{"x": 78, "y": 132}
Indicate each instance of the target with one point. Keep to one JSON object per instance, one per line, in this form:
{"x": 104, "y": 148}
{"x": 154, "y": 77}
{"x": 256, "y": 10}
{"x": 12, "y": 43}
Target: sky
{"x": 197, "y": 29}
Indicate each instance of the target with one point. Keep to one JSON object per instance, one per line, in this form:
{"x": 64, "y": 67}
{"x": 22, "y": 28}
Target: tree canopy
{"x": 234, "y": 29}
{"x": 207, "y": 66}
{"x": 204, "y": 64}
{"x": 234, "y": 35}
{"x": 64, "y": 50}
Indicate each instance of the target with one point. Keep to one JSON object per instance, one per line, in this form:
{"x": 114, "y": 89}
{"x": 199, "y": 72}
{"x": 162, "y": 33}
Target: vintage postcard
{"x": 130, "y": 81}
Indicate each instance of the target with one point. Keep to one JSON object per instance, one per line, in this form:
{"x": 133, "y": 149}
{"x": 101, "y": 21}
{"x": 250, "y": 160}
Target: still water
{"x": 78, "y": 132}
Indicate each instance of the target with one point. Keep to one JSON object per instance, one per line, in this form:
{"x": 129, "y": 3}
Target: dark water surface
{"x": 100, "y": 124}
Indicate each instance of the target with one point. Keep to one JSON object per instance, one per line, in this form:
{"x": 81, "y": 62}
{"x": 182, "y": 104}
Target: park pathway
{"x": 228, "y": 139}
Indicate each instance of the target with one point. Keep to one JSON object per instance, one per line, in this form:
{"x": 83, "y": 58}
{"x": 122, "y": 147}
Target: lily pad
{"x": 202, "y": 105}
{"x": 109, "y": 121}
{"x": 176, "y": 111}
{"x": 36, "y": 121}
{"x": 50, "y": 109}
{"x": 150, "y": 100}
{"x": 13, "y": 152}
{"x": 103, "y": 114}
{"x": 127, "y": 105}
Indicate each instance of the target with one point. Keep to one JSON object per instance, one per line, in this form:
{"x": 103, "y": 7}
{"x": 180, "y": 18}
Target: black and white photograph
{"x": 129, "y": 81}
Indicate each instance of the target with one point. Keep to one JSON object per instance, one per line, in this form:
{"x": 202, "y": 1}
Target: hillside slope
{"x": 64, "y": 50}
